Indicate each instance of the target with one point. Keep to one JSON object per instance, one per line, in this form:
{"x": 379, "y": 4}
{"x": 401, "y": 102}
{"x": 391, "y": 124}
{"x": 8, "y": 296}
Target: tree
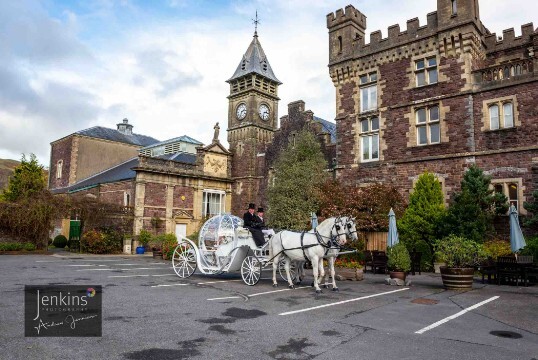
{"x": 532, "y": 207}
{"x": 369, "y": 205}
{"x": 421, "y": 220}
{"x": 474, "y": 207}
{"x": 28, "y": 179}
{"x": 299, "y": 171}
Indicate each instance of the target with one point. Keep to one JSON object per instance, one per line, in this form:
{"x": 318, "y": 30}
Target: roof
{"x": 254, "y": 61}
{"x": 183, "y": 138}
{"x": 115, "y": 135}
{"x": 119, "y": 172}
{"x": 179, "y": 157}
{"x": 328, "y": 127}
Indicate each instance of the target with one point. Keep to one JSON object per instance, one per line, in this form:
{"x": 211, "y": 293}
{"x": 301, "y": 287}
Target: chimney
{"x": 125, "y": 128}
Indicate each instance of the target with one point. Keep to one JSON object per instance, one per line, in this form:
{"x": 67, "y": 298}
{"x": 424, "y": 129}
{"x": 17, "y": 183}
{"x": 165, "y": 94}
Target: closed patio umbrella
{"x": 313, "y": 220}
{"x": 393, "y": 231}
{"x": 517, "y": 241}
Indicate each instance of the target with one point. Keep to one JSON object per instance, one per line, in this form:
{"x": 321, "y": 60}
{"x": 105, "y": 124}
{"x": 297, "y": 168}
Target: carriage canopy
{"x": 219, "y": 230}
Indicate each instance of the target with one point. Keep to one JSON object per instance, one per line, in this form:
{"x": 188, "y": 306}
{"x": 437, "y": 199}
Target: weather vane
{"x": 256, "y": 22}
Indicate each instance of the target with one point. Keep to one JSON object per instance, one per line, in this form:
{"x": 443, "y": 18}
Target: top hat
{"x": 251, "y": 206}
{"x": 260, "y": 209}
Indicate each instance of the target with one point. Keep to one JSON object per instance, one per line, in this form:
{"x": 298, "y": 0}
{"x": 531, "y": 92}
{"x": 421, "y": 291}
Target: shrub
{"x": 531, "y": 248}
{"x": 14, "y": 246}
{"x": 496, "y": 248}
{"x": 426, "y": 258}
{"x": 169, "y": 243}
{"x": 398, "y": 258}
{"x": 144, "y": 238}
{"x": 420, "y": 222}
{"x": 59, "y": 241}
{"x": 459, "y": 252}
{"x": 101, "y": 242}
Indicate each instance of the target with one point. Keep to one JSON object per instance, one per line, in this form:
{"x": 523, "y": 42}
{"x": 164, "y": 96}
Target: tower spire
{"x": 256, "y": 22}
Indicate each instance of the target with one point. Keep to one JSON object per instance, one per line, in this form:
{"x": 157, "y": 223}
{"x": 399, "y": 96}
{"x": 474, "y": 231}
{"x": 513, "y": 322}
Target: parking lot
{"x": 150, "y": 313}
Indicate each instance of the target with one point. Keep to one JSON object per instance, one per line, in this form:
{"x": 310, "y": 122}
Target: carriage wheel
{"x": 282, "y": 270}
{"x": 184, "y": 260}
{"x": 251, "y": 270}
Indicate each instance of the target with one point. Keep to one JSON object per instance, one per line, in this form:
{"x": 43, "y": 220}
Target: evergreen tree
{"x": 532, "y": 207}
{"x": 473, "y": 209}
{"x": 28, "y": 179}
{"x": 299, "y": 171}
{"x": 421, "y": 220}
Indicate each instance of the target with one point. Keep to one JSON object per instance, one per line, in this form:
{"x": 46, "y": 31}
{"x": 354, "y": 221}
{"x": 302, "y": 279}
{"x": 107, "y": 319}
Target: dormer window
{"x": 264, "y": 65}
{"x": 243, "y": 64}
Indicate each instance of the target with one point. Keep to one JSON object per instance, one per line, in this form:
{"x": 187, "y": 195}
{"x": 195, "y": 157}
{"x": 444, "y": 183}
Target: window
{"x": 454, "y": 7}
{"x": 59, "y": 166}
{"x": 157, "y": 151}
{"x": 213, "y": 202}
{"x": 368, "y": 89}
{"x": 501, "y": 115}
{"x": 428, "y": 125}
{"x": 426, "y": 71}
{"x": 183, "y": 147}
{"x": 369, "y": 139}
{"x": 510, "y": 189}
{"x": 126, "y": 199}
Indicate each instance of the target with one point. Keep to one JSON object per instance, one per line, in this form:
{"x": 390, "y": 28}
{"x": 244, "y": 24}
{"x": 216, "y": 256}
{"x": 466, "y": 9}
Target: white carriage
{"x": 223, "y": 246}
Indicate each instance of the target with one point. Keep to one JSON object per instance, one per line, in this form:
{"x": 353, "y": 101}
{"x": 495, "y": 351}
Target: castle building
{"x": 436, "y": 97}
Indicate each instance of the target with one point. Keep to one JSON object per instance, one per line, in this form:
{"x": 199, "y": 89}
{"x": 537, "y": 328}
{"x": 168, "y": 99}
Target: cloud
{"x": 164, "y": 65}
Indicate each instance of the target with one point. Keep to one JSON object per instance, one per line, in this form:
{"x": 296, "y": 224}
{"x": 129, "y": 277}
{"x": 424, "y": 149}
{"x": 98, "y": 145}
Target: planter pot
{"x": 437, "y": 267}
{"x": 397, "y": 275}
{"x": 348, "y": 274}
{"x": 140, "y": 250}
{"x": 457, "y": 278}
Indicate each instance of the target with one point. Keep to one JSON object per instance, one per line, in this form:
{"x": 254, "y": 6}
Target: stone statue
{"x": 216, "y": 133}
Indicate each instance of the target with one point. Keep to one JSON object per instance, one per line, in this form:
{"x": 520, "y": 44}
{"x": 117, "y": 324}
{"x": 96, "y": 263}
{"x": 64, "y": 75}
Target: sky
{"x": 68, "y": 65}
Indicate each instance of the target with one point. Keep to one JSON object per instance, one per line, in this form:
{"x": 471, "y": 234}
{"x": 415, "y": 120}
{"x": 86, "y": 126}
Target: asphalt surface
{"x": 150, "y": 313}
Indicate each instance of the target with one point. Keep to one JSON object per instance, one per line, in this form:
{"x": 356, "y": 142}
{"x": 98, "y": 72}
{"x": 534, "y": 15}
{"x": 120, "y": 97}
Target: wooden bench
{"x": 489, "y": 269}
{"x": 376, "y": 260}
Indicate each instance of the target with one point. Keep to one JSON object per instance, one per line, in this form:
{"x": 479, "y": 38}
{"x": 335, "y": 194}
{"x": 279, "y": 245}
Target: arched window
{"x": 59, "y": 166}
{"x": 494, "y": 117}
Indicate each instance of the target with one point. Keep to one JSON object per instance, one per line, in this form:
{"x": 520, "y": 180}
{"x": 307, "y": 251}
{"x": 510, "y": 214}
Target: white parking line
{"x": 440, "y": 322}
{"x": 342, "y": 302}
{"x": 216, "y": 282}
{"x": 258, "y": 294}
{"x": 128, "y": 276}
{"x": 81, "y": 265}
{"x": 162, "y": 285}
{"x": 111, "y": 269}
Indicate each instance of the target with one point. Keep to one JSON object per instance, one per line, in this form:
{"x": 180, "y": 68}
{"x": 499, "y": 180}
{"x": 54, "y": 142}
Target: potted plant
{"x": 399, "y": 261}
{"x": 461, "y": 256}
{"x": 348, "y": 269}
{"x": 157, "y": 247}
{"x": 143, "y": 240}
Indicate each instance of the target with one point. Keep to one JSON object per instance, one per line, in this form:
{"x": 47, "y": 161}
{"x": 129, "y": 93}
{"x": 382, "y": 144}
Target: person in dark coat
{"x": 252, "y": 222}
{"x": 261, "y": 220}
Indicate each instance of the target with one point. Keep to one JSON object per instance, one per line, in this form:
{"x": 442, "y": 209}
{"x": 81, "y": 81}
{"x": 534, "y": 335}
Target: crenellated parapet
{"x": 509, "y": 40}
{"x": 342, "y": 16}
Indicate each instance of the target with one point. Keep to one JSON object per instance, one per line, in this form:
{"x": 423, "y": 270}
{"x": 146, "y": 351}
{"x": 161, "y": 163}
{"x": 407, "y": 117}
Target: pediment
{"x": 216, "y": 147}
{"x": 182, "y": 214}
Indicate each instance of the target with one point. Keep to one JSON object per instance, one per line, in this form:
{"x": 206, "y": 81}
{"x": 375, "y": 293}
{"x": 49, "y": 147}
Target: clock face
{"x": 263, "y": 111}
{"x": 241, "y": 112}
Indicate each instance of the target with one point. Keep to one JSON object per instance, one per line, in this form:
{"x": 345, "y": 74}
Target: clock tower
{"x": 252, "y": 120}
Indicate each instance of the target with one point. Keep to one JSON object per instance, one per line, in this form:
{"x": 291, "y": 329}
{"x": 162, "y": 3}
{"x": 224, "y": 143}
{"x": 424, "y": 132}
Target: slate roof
{"x": 183, "y": 138}
{"x": 117, "y": 173}
{"x": 328, "y": 127}
{"x": 114, "y": 135}
{"x": 179, "y": 157}
{"x": 253, "y": 59}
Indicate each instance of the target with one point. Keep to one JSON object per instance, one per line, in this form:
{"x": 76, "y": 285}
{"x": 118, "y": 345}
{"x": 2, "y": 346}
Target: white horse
{"x": 332, "y": 253}
{"x": 297, "y": 246}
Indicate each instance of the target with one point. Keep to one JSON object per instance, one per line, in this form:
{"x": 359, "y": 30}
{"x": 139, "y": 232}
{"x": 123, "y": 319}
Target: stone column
{"x": 169, "y": 205}
{"x": 140, "y": 195}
